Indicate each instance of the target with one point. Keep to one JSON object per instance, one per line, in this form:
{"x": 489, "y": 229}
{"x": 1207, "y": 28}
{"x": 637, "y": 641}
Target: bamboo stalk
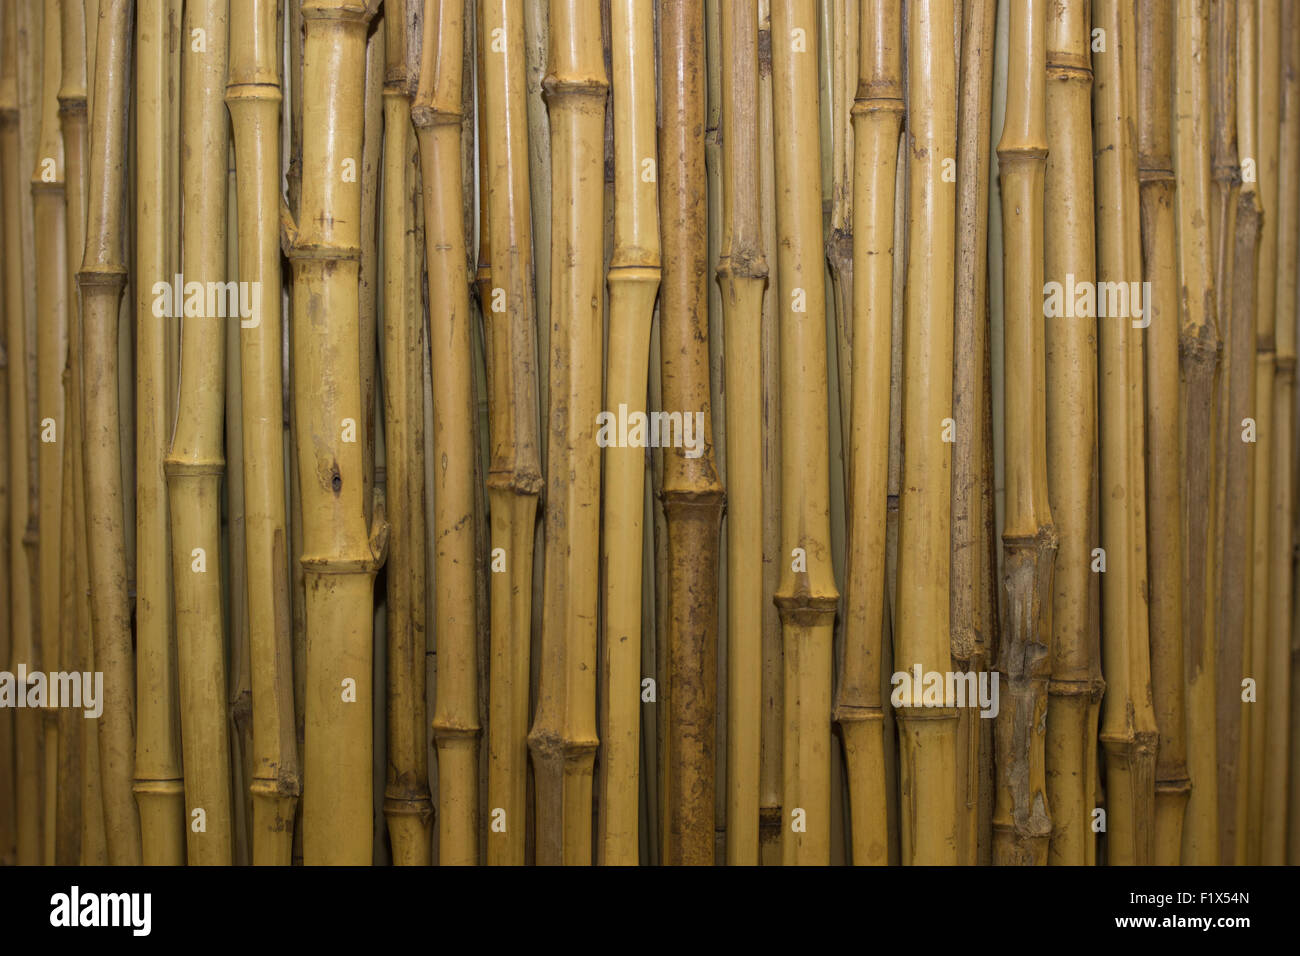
{"x": 1128, "y": 733}
{"x": 1165, "y": 510}
{"x": 1199, "y": 345}
{"x": 927, "y": 735}
{"x": 340, "y": 556}
{"x": 806, "y": 596}
{"x": 67, "y": 841}
{"x": 877, "y": 119}
{"x": 8, "y": 768}
{"x": 841, "y": 77}
{"x": 1278, "y": 701}
{"x": 101, "y": 280}
{"x": 633, "y": 280}
{"x": 437, "y": 115}
{"x": 253, "y": 98}
{"x": 1068, "y": 251}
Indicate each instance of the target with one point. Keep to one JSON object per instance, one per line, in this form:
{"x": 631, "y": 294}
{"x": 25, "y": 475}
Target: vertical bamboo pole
{"x": 1199, "y": 345}
{"x": 50, "y": 250}
{"x": 67, "y": 841}
{"x": 807, "y": 596}
{"x": 8, "y": 768}
{"x": 1163, "y": 474}
{"x": 1277, "y": 666}
{"x": 1128, "y": 732}
{"x": 253, "y": 98}
{"x": 927, "y": 734}
{"x": 1068, "y": 255}
{"x": 840, "y": 51}
{"x": 100, "y": 280}
{"x": 633, "y": 282}
{"x": 877, "y": 119}
{"x": 437, "y": 114}
{"x": 339, "y": 556}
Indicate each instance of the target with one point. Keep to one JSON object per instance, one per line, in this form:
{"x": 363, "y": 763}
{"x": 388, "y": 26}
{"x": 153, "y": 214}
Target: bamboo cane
{"x": 1198, "y": 401}
{"x": 48, "y": 206}
{"x": 368, "y": 287}
{"x": 101, "y": 280}
{"x": 633, "y": 280}
{"x": 840, "y": 81}
{"x": 8, "y": 768}
{"x": 27, "y": 725}
{"x": 807, "y": 596}
{"x": 1164, "y": 517}
{"x": 253, "y": 98}
{"x": 437, "y": 114}
{"x": 67, "y": 840}
{"x": 1273, "y": 824}
{"x": 1068, "y": 251}
{"x": 973, "y": 575}
{"x": 927, "y": 735}
{"x": 1128, "y": 733}
{"x": 877, "y": 118}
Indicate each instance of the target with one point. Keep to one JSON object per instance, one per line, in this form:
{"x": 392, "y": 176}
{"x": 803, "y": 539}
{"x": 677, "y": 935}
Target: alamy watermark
{"x": 624, "y": 429}
{"x": 915, "y": 688}
{"x": 76, "y": 689}
{"x": 1093, "y": 300}
{"x": 75, "y": 908}
{"x": 218, "y": 300}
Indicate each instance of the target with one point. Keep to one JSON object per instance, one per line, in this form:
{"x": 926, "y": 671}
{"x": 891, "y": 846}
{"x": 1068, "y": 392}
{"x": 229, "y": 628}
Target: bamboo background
{"x": 364, "y": 578}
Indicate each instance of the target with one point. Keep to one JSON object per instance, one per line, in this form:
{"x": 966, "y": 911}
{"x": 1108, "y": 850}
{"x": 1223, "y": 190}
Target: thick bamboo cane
{"x": 807, "y": 596}
{"x": 877, "y": 119}
{"x": 407, "y": 804}
{"x": 1128, "y": 733}
{"x": 633, "y": 282}
{"x": 563, "y": 737}
{"x": 159, "y": 787}
{"x": 340, "y": 555}
{"x": 437, "y": 114}
{"x": 101, "y": 280}
{"x": 1277, "y": 666}
{"x": 1021, "y": 816}
{"x": 1163, "y": 473}
{"x": 973, "y": 578}
{"x": 50, "y": 250}
{"x": 928, "y": 735}
{"x": 1199, "y": 346}
{"x": 692, "y": 493}
{"x": 27, "y": 723}
{"x": 1069, "y": 257}
{"x": 253, "y": 98}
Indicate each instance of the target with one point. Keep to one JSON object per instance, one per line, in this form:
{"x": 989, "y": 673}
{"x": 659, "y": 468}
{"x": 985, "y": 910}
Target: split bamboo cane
{"x": 877, "y": 119}
{"x": 50, "y": 250}
{"x": 1069, "y": 251}
{"x": 633, "y": 282}
{"x": 159, "y": 787}
{"x": 1128, "y": 733}
{"x": 807, "y": 596}
{"x": 1163, "y": 473}
{"x": 1199, "y": 345}
{"x": 692, "y": 492}
{"x": 1277, "y": 666}
{"x": 253, "y": 99}
{"x": 563, "y": 738}
{"x": 437, "y": 114}
{"x": 407, "y": 803}
{"x": 27, "y": 723}
{"x": 928, "y": 735}
{"x": 100, "y": 281}
{"x": 340, "y": 555}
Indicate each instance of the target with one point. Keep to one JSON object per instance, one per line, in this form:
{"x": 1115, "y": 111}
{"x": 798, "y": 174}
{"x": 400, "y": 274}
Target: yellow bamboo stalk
{"x": 633, "y": 280}
{"x": 253, "y": 98}
{"x": 437, "y": 114}
{"x": 928, "y": 735}
{"x": 67, "y": 841}
{"x": 1277, "y": 667}
{"x": 1068, "y": 251}
{"x": 1198, "y": 402}
{"x": 840, "y": 76}
{"x": 101, "y": 280}
{"x": 1155, "y": 28}
{"x": 340, "y": 555}
{"x": 1128, "y": 733}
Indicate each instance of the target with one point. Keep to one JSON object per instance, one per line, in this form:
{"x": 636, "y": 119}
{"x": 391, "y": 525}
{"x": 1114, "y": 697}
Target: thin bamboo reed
{"x": 437, "y": 114}
{"x": 1199, "y": 345}
{"x": 633, "y": 281}
{"x": 841, "y": 49}
{"x": 1155, "y": 28}
{"x": 67, "y": 840}
{"x": 1128, "y": 732}
{"x": 8, "y": 769}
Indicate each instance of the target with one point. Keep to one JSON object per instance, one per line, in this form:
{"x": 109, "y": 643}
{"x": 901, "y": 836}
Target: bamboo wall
{"x": 755, "y": 432}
